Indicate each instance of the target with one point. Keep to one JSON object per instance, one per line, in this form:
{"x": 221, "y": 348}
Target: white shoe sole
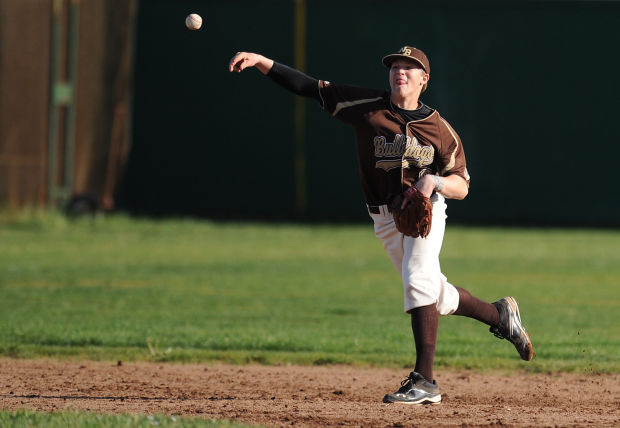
{"x": 436, "y": 399}
{"x": 514, "y": 305}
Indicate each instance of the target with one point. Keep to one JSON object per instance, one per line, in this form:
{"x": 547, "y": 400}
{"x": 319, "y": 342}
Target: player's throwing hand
{"x": 239, "y": 62}
{"x": 243, "y": 60}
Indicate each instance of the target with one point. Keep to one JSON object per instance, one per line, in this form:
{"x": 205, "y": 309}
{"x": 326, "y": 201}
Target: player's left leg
{"x": 502, "y": 316}
{"x": 472, "y": 307}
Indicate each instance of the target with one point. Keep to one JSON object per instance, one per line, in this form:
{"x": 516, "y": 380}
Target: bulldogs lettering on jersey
{"x": 402, "y": 152}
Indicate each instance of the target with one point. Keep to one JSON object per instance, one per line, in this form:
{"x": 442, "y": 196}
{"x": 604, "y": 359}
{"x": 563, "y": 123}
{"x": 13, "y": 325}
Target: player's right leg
{"x": 415, "y": 389}
{"x": 424, "y": 325}
{"x": 426, "y": 293}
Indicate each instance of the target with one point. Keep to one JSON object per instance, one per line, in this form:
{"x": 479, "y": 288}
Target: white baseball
{"x": 193, "y": 21}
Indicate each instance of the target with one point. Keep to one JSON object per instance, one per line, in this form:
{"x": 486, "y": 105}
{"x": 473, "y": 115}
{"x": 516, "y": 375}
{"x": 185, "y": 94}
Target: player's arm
{"x": 451, "y": 186}
{"x": 453, "y": 179}
{"x": 289, "y": 78}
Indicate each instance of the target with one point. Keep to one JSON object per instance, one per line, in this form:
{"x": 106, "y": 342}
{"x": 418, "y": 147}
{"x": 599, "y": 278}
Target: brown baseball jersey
{"x": 393, "y": 153}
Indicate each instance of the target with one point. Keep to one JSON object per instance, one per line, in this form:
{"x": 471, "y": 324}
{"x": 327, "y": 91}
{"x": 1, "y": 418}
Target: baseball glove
{"x": 417, "y": 215}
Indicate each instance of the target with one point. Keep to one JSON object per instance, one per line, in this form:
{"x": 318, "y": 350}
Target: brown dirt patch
{"x": 308, "y": 396}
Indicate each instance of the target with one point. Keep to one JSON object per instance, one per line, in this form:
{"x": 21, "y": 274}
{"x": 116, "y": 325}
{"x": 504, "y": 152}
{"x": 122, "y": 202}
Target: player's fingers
{"x": 236, "y": 61}
{"x": 233, "y": 66}
{"x": 241, "y": 65}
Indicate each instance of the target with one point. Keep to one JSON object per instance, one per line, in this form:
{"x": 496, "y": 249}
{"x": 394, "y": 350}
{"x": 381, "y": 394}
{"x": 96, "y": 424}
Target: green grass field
{"x": 117, "y": 288}
{"x": 67, "y": 419}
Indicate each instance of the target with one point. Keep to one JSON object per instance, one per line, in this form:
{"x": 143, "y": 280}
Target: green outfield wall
{"x": 531, "y": 87}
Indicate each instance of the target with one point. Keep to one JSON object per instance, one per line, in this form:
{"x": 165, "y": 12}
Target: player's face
{"x": 407, "y": 77}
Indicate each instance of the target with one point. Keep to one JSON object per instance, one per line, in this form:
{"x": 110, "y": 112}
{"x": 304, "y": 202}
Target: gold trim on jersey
{"x": 346, "y": 104}
{"x": 452, "y": 161}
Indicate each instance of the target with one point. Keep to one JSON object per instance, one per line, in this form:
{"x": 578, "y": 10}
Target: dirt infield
{"x": 308, "y": 396}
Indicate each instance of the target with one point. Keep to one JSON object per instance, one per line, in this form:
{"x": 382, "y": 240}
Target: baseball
{"x": 193, "y": 21}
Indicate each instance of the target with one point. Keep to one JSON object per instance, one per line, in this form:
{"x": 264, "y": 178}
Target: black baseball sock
{"x": 472, "y": 307}
{"x": 424, "y": 324}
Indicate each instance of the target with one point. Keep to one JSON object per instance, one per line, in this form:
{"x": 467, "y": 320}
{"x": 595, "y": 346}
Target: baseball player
{"x": 402, "y": 143}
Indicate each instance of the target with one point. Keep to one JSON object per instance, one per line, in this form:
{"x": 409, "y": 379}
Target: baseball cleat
{"x": 511, "y": 328}
{"x": 415, "y": 390}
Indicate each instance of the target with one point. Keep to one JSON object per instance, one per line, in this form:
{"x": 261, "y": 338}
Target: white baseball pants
{"x": 417, "y": 260}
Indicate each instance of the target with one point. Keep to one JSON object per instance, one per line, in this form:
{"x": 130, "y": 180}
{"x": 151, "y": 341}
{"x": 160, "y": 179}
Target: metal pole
{"x": 300, "y": 111}
{"x": 62, "y": 95}
{"x": 71, "y": 82}
{"x": 52, "y": 160}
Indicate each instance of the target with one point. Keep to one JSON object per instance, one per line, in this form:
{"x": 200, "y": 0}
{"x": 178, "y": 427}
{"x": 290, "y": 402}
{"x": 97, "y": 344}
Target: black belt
{"x": 376, "y": 209}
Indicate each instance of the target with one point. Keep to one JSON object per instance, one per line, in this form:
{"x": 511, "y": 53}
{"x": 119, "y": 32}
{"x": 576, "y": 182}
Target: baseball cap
{"x": 410, "y": 53}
